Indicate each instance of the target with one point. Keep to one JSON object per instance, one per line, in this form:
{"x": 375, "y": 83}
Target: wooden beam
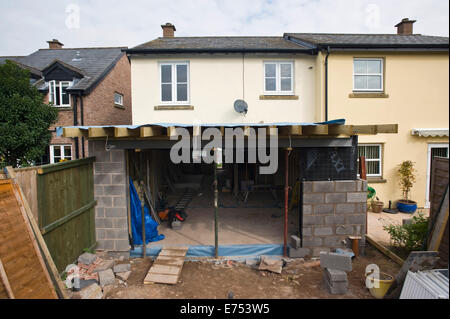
{"x": 365, "y": 129}
{"x": 340, "y": 129}
{"x": 387, "y": 128}
{"x": 149, "y": 131}
{"x": 5, "y": 281}
{"x": 74, "y": 132}
{"x": 315, "y": 130}
{"x": 171, "y": 131}
{"x": 385, "y": 251}
{"x": 125, "y": 132}
{"x": 101, "y": 131}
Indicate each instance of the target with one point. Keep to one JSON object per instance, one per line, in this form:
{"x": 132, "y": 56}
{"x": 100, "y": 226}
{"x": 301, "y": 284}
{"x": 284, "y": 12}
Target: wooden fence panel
{"x": 439, "y": 182}
{"x": 26, "y": 177}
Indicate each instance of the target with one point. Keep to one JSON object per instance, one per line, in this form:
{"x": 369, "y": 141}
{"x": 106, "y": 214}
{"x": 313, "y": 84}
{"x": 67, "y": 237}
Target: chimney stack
{"x": 405, "y": 27}
{"x": 55, "y": 44}
{"x": 168, "y": 30}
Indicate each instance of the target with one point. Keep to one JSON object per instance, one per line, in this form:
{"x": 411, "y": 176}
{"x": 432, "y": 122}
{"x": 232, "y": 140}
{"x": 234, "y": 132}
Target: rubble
{"x": 122, "y": 268}
{"x": 271, "y": 264}
{"x": 92, "y": 292}
{"x": 87, "y": 258}
{"x": 123, "y": 275}
{"x": 104, "y": 265}
{"x": 106, "y": 277}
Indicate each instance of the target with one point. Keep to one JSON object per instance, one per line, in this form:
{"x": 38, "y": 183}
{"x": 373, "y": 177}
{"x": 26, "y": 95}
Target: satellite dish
{"x": 240, "y": 106}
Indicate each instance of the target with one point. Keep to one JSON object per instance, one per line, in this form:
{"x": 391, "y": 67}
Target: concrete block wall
{"x": 332, "y": 211}
{"x": 110, "y": 191}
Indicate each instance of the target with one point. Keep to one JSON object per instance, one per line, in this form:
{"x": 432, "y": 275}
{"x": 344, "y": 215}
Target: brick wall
{"x": 110, "y": 187}
{"x": 332, "y": 211}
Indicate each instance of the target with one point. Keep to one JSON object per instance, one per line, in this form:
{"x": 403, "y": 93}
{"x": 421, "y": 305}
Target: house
{"x": 376, "y": 78}
{"x": 206, "y": 88}
{"x": 88, "y": 86}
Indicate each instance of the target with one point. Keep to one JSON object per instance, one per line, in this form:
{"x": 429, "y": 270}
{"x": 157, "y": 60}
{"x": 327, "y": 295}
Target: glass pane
{"x": 374, "y": 66}
{"x": 285, "y": 70}
{"x": 58, "y": 99}
{"x": 181, "y": 73}
{"x": 360, "y": 66}
{"x": 286, "y": 84}
{"x": 373, "y": 167}
{"x": 56, "y": 159}
{"x": 67, "y": 152}
{"x": 118, "y": 99}
{"x": 270, "y": 84}
{"x": 271, "y": 70}
{"x": 439, "y": 151}
{"x": 65, "y": 97}
{"x": 374, "y": 82}
{"x": 57, "y": 151}
{"x": 166, "y": 90}
{"x": 360, "y": 82}
{"x": 372, "y": 152}
{"x": 181, "y": 92}
{"x": 166, "y": 73}
{"x": 51, "y": 88}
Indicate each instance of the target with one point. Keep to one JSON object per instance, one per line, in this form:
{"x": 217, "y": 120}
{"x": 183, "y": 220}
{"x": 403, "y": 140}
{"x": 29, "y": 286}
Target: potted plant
{"x": 407, "y": 174}
{"x": 375, "y": 203}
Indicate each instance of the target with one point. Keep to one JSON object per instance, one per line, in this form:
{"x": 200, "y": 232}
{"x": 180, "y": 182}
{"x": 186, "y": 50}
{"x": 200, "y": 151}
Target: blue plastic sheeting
{"x": 248, "y": 251}
{"x": 59, "y": 130}
{"x": 151, "y": 227}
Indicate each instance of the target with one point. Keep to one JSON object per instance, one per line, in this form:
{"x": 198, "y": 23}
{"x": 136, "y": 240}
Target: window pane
{"x": 360, "y": 82}
{"x": 118, "y": 98}
{"x": 285, "y": 70}
{"x": 360, "y": 66}
{"x": 286, "y": 84}
{"x": 166, "y": 73}
{"x": 373, "y": 167}
{"x": 166, "y": 90}
{"x": 181, "y": 73}
{"x": 181, "y": 92}
{"x": 51, "y": 88}
{"x": 58, "y": 99}
{"x": 65, "y": 95}
{"x": 56, "y": 150}
{"x": 67, "y": 152}
{"x": 270, "y": 70}
{"x": 374, "y": 82}
{"x": 439, "y": 151}
{"x": 270, "y": 84}
{"x": 374, "y": 66}
{"x": 56, "y": 159}
{"x": 372, "y": 152}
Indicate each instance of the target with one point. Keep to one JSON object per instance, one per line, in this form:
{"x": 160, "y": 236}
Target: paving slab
{"x": 106, "y": 277}
{"x": 122, "y": 268}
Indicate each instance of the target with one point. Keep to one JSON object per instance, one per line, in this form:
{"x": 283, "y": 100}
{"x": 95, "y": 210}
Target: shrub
{"x": 409, "y": 236}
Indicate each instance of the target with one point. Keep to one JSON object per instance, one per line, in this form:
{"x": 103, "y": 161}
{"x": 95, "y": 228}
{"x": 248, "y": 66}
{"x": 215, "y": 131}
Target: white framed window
{"x": 368, "y": 74}
{"x": 373, "y": 155}
{"x": 118, "y": 99}
{"x": 58, "y": 94}
{"x": 59, "y": 153}
{"x": 279, "y": 78}
{"x": 174, "y": 77}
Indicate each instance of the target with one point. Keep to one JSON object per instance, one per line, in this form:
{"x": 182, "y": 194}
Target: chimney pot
{"x": 54, "y": 44}
{"x": 405, "y": 27}
{"x": 168, "y": 30}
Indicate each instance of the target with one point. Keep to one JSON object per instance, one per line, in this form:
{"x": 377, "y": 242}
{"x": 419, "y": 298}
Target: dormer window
{"x": 58, "y": 94}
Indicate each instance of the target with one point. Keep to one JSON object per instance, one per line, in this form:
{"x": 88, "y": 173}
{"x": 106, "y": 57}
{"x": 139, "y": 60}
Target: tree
{"x": 24, "y": 117}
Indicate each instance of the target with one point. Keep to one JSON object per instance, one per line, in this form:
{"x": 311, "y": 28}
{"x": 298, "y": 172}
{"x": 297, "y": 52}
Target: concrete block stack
{"x": 335, "y": 267}
{"x": 295, "y": 251}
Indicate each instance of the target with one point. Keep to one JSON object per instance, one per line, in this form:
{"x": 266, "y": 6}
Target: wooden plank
{"x": 159, "y": 278}
{"x": 149, "y": 131}
{"x": 101, "y": 132}
{"x": 315, "y": 130}
{"x": 340, "y": 130}
{"x": 440, "y": 222}
{"x": 126, "y": 132}
{"x": 385, "y": 251}
{"x": 387, "y": 128}
{"x": 74, "y": 132}
{"x": 164, "y": 269}
{"x": 5, "y": 281}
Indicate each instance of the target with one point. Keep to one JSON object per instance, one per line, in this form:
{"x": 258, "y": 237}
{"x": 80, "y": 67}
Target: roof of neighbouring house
{"x": 94, "y": 63}
{"x": 220, "y": 44}
{"x": 348, "y": 40}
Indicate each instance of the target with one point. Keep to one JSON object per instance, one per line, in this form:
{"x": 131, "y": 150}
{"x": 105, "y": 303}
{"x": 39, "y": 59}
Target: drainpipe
{"x": 286, "y": 198}
{"x": 75, "y": 123}
{"x": 326, "y": 83}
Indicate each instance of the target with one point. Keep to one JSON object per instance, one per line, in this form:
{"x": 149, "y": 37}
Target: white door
{"x": 434, "y": 150}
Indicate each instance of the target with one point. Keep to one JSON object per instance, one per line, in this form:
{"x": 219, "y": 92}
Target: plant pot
{"x": 377, "y": 207}
{"x": 407, "y": 206}
{"x": 381, "y": 285}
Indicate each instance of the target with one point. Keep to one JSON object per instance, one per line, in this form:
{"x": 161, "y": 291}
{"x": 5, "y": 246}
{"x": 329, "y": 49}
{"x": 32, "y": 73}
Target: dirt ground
{"x": 207, "y": 280}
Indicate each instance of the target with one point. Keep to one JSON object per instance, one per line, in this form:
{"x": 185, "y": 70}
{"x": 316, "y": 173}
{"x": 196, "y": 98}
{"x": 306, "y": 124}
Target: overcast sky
{"x": 25, "y": 26}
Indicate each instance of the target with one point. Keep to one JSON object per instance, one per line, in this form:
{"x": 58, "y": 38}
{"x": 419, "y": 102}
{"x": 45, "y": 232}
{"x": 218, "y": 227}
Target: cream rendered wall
{"x": 418, "y": 88}
{"x": 216, "y": 81}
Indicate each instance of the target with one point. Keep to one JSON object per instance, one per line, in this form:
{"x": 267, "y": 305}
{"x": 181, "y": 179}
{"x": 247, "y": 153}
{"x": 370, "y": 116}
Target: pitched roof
{"x": 219, "y": 44}
{"x": 369, "y": 40}
{"x": 95, "y": 63}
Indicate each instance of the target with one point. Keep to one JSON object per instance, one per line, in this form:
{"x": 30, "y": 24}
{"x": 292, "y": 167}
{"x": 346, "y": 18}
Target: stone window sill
{"x": 368, "y": 95}
{"x": 376, "y": 180}
{"x": 173, "y": 107}
{"x": 278, "y": 97}
{"x": 63, "y": 108}
{"x": 119, "y": 106}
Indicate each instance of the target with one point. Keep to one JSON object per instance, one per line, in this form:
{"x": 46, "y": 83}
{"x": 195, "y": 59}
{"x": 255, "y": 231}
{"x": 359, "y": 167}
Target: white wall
{"x": 216, "y": 81}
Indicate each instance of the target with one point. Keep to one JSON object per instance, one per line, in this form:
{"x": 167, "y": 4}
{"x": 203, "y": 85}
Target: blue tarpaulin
{"x": 151, "y": 227}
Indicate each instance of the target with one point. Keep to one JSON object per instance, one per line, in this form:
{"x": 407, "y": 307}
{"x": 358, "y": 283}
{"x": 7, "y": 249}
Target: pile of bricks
{"x": 335, "y": 267}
